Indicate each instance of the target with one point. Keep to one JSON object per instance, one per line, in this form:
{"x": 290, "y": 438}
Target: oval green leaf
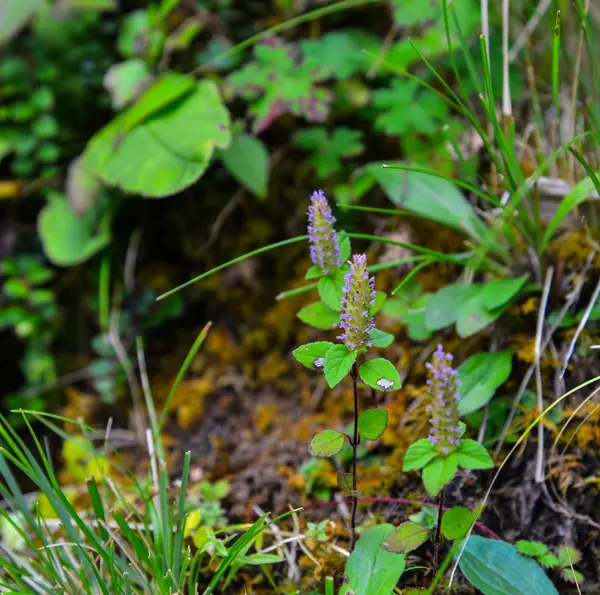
{"x": 312, "y": 355}
{"x": 480, "y": 376}
{"x": 338, "y": 362}
{"x": 330, "y": 290}
{"x": 439, "y": 473}
{"x": 405, "y": 538}
{"x": 456, "y": 522}
{"x": 372, "y": 423}
{"x": 380, "y": 374}
{"x": 319, "y": 316}
{"x": 443, "y": 307}
{"x": 326, "y": 443}
{"x": 419, "y": 453}
{"x": 472, "y": 455}
{"x": 380, "y": 339}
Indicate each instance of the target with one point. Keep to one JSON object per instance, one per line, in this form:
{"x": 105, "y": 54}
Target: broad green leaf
{"x": 370, "y": 569}
{"x": 164, "y": 142}
{"x": 472, "y": 455}
{"x": 473, "y": 316}
{"x": 533, "y": 549}
{"x": 548, "y": 560}
{"x": 419, "y": 453}
{"x": 312, "y": 355}
{"x": 380, "y": 339}
{"x": 456, "y": 522}
{"x": 380, "y": 374}
{"x": 581, "y": 192}
{"x": 326, "y": 443}
{"x": 501, "y": 292}
{"x": 124, "y": 81}
{"x": 443, "y": 307}
{"x": 480, "y": 376}
{"x": 372, "y": 423}
{"x": 338, "y": 362}
{"x": 405, "y": 538}
{"x": 247, "y": 160}
{"x": 380, "y": 297}
{"x": 69, "y": 239}
{"x": 319, "y": 316}
{"x": 496, "y": 568}
{"x": 314, "y": 272}
{"x": 14, "y": 15}
{"x": 439, "y": 473}
{"x": 345, "y": 249}
{"x": 429, "y": 197}
{"x": 330, "y": 290}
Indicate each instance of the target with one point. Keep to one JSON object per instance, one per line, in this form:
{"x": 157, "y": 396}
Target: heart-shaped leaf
{"x": 380, "y": 374}
{"x": 372, "y": 423}
{"x": 338, "y": 362}
{"x": 326, "y": 443}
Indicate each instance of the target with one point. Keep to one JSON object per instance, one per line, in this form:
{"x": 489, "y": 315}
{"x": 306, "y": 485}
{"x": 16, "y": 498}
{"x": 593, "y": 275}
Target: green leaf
{"x": 69, "y": 239}
{"x": 456, "y": 522}
{"x": 370, "y": 569}
{"x": 439, "y": 473}
{"x": 319, "y": 316}
{"x": 480, "y": 376}
{"x": 548, "y": 560}
{"x": 345, "y": 248}
{"x": 496, "y": 568}
{"x": 571, "y": 576}
{"x": 247, "y": 160}
{"x": 500, "y": 292}
{"x": 568, "y": 555}
{"x": 314, "y": 272}
{"x": 473, "y": 316}
{"x": 14, "y": 15}
{"x": 443, "y": 307}
{"x": 429, "y": 197}
{"x": 326, "y": 443}
{"x": 533, "y": 549}
{"x": 330, "y": 290}
{"x": 164, "y": 142}
{"x": 372, "y": 423}
{"x": 125, "y": 80}
{"x": 472, "y": 455}
{"x": 338, "y": 363}
{"x": 581, "y": 192}
{"x": 312, "y": 355}
{"x": 419, "y": 453}
{"x": 380, "y": 374}
{"x": 380, "y": 339}
{"x": 405, "y": 538}
{"x": 380, "y": 297}
{"x": 259, "y": 559}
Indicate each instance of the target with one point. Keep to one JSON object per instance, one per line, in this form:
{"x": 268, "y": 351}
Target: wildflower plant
{"x": 348, "y": 301}
{"x": 445, "y": 450}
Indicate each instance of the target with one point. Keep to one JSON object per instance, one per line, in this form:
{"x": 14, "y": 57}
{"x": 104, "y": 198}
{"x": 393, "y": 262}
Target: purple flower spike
{"x": 359, "y": 293}
{"x": 324, "y": 244}
{"x": 443, "y": 388}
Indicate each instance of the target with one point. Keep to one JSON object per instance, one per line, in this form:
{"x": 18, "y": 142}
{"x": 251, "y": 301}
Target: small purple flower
{"x": 443, "y": 386}
{"x": 324, "y": 244}
{"x": 358, "y": 297}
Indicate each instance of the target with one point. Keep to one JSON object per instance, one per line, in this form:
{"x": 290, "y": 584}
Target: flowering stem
{"x": 354, "y": 375}
{"x": 438, "y": 531}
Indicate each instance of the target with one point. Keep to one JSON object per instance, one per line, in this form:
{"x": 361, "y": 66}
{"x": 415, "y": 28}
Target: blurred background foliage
{"x": 141, "y": 142}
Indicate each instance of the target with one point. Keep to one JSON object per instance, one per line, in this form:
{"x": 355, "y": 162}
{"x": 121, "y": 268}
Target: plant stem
{"x": 354, "y": 375}
{"x": 438, "y": 531}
